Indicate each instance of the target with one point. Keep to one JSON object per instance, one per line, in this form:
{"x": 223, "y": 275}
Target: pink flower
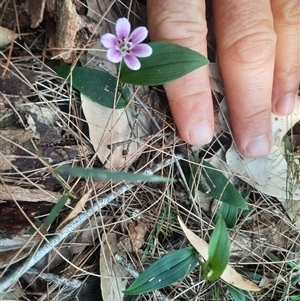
{"x": 125, "y": 45}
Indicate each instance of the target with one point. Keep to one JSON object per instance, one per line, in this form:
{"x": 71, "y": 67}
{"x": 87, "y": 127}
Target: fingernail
{"x": 258, "y": 147}
{"x": 201, "y": 133}
{"x": 285, "y": 104}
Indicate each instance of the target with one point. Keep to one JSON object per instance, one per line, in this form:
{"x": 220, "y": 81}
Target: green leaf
{"x": 167, "y": 63}
{"x": 229, "y": 214}
{"x": 32, "y": 230}
{"x": 236, "y": 294}
{"x": 218, "y": 252}
{"x": 217, "y": 186}
{"x": 165, "y": 271}
{"x": 54, "y": 213}
{"x": 97, "y": 173}
{"x": 98, "y": 85}
{"x": 295, "y": 280}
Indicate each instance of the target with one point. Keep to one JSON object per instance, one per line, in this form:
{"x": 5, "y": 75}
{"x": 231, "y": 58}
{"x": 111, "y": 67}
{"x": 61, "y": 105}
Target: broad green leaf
{"x": 229, "y": 214}
{"x": 216, "y": 185}
{"x": 167, "y": 63}
{"x": 295, "y": 298}
{"x": 98, "y": 173}
{"x": 213, "y": 183}
{"x": 236, "y": 294}
{"x": 165, "y": 271}
{"x": 218, "y": 252}
{"x": 98, "y": 85}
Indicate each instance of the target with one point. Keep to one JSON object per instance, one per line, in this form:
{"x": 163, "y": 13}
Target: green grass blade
{"x": 103, "y": 174}
{"x": 54, "y": 213}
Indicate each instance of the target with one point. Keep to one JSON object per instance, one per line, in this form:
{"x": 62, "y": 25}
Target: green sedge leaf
{"x": 229, "y": 214}
{"x": 167, "y": 63}
{"x": 98, "y": 173}
{"x": 218, "y": 252}
{"x": 32, "y": 230}
{"x": 236, "y": 293}
{"x": 165, "y": 271}
{"x": 295, "y": 298}
{"x": 217, "y": 186}
{"x": 54, "y": 213}
{"x": 98, "y": 85}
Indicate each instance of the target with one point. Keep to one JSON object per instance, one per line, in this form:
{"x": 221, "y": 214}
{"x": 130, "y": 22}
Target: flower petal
{"x": 114, "y": 55}
{"x": 132, "y": 62}
{"x": 138, "y": 35}
{"x": 109, "y": 40}
{"x": 123, "y": 28}
{"x": 141, "y": 50}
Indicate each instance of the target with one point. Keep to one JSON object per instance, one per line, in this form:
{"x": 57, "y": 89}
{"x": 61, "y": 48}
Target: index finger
{"x": 183, "y": 22}
{"x": 246, "y": 47}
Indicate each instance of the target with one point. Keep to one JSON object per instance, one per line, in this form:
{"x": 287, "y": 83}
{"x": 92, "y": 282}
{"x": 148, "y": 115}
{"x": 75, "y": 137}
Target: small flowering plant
{"x": 126, "y": 45}
{"x": 151, "y": 64}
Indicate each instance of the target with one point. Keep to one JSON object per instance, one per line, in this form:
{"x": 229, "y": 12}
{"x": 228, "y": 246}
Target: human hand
{"x": 258, "y": 48}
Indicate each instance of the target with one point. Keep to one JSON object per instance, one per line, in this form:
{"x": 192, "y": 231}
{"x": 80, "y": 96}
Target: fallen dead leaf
{"x": 229, "y": 275}
{"x": 6, "y": 36}
{"x": 111, "y": 133}
{"x": 113, "y": 281}
{"x": 269, "y": 174}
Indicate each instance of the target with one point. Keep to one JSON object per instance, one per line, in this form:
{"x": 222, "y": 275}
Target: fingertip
{"x": 200, "y": 133}
{"x": 191, "y": 105}
{"x": 284, "y": 105}
{"x": 258, "y": 147}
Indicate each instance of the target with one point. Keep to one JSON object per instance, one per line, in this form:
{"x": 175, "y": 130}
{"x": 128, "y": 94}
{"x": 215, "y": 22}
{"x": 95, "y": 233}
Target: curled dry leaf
{"x": 229, "y": 275}
{"x": 136, "y": 237}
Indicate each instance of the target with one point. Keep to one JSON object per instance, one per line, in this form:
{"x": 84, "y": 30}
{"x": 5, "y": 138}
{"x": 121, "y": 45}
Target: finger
{"x": 183, "y": 23}
{"x": 287, "y": 61}
{"x": 246, "y": 48}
